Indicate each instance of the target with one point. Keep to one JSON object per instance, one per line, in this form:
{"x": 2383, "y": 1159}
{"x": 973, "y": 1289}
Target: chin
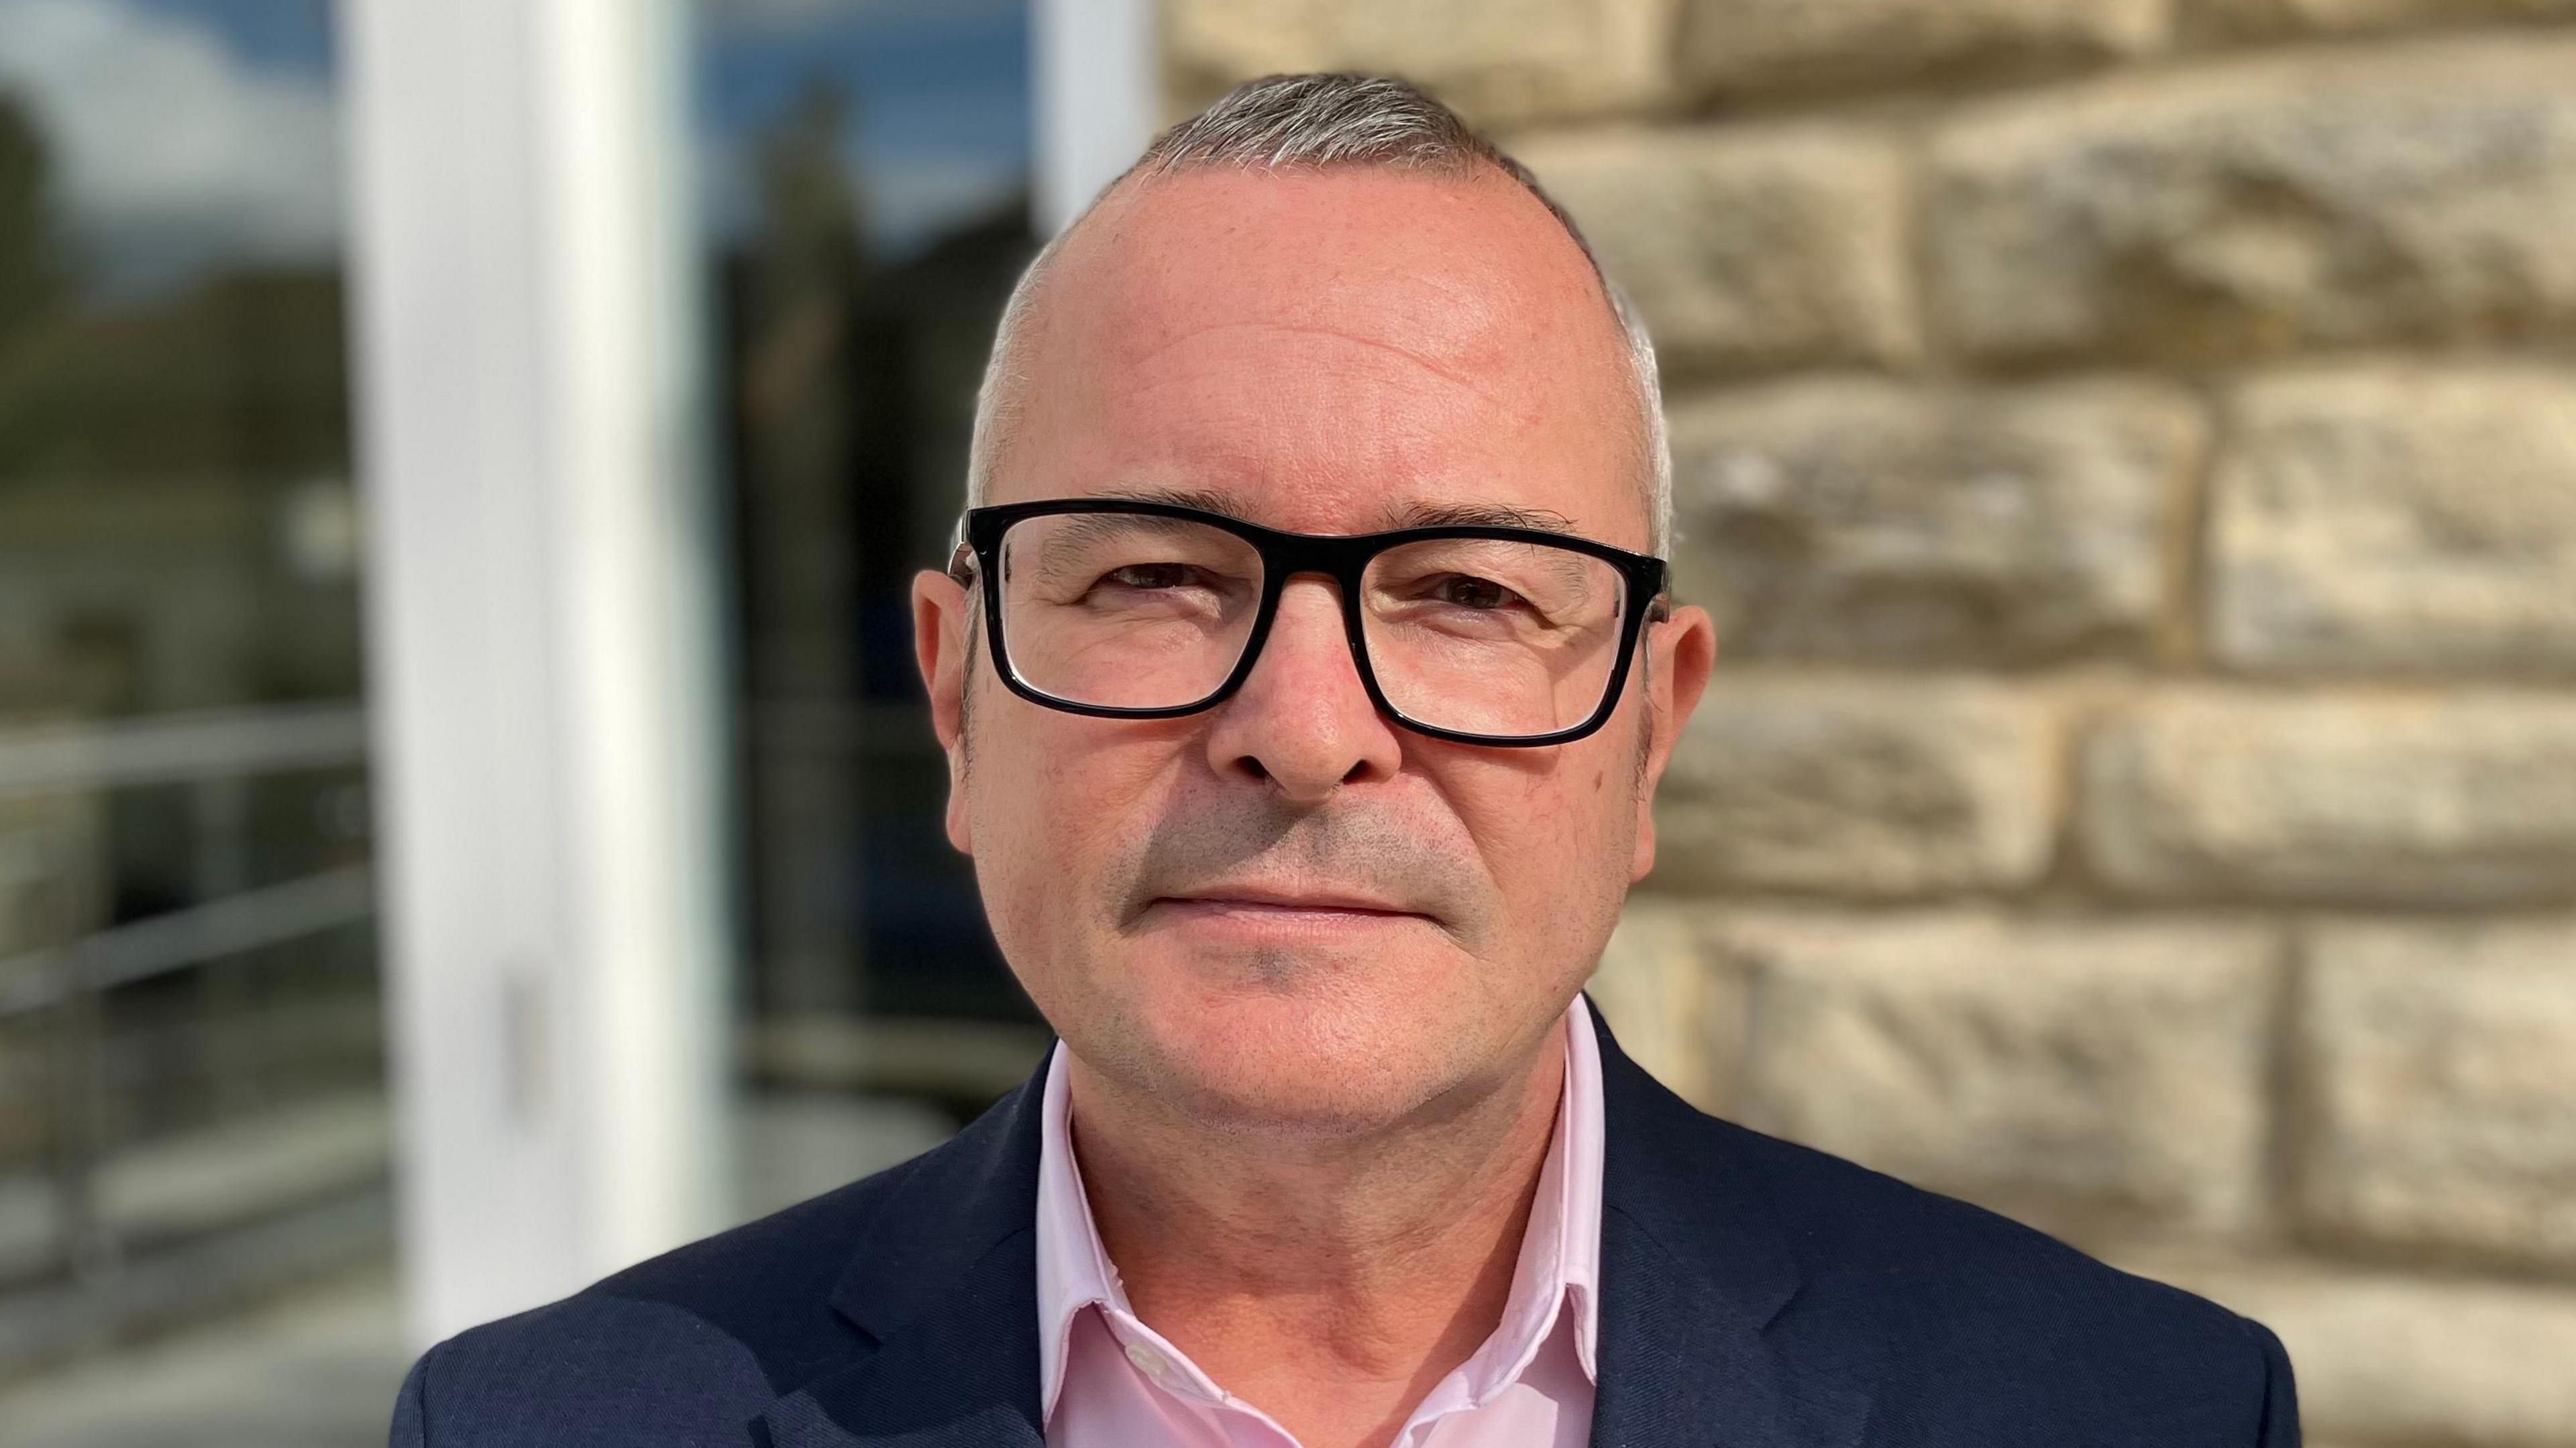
{"x": 1301, "y": 1041}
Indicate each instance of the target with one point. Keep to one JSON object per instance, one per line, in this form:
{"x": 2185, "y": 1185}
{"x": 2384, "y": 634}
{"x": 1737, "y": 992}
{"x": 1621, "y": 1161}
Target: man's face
{"x": 1287, "y": 911}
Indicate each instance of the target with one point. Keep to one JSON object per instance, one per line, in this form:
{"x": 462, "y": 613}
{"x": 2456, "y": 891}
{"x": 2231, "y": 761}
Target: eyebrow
{"x": 1478, "y": 515}
{"x": 1199, "y": 498}
{"x": 1403, "y": 515}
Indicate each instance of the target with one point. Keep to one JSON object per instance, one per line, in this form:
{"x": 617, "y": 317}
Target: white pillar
{"x": 1094, "y": 68}
{"x": 541, "y": 594}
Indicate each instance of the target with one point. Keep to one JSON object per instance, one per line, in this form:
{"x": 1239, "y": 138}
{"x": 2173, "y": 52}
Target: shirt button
{"x": 1147, "y": 1361}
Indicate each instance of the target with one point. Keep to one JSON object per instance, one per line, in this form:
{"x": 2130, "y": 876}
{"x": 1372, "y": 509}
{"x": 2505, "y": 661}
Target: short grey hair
{"x": 1316, "y": 122}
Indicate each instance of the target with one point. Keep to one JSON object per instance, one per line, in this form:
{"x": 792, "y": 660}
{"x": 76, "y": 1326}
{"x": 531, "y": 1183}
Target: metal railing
{"x": 212, "y": 757}
{"x": 180, "y": 749}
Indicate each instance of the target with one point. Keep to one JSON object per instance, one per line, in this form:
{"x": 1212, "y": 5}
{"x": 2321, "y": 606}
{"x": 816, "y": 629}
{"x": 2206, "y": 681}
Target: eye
{"x": 1151, "y": 575}
{"x": 1481, "y": 594}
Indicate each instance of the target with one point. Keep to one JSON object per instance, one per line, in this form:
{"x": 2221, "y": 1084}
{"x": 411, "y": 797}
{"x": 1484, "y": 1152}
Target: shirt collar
{"x": 1558, "y": 1270}
{"x": 1074, "y": 1270}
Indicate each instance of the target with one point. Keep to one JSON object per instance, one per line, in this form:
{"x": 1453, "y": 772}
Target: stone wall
{"x": 2130, "y": 447}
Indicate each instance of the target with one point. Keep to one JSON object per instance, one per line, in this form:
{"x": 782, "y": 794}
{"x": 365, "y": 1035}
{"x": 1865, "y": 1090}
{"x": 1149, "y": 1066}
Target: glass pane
{"x": 866, "y": 212}
{"x": 183, "y": 808}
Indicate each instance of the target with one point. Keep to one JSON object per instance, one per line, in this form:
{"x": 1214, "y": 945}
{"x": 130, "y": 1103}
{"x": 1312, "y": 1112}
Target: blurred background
{"x": 467, "y": 819}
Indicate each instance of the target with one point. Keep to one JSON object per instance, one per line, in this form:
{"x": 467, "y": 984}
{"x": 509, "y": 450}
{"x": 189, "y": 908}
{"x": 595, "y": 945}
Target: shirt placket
{"x": 1229, "y": 1421}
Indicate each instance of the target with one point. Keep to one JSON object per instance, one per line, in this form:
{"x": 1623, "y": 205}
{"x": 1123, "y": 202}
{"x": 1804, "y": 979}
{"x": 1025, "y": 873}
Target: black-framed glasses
{"x": 1480, "y": 634}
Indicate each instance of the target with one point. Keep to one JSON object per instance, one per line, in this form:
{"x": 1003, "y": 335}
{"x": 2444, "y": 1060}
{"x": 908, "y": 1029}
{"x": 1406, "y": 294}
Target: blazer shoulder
{"x": 683, "y": 1348}
{"x": 751, "y": 1271}
{"x": 1845, "y": 1226}
{"x": 1921, "y": 1250}
{"x": 585, "y": 1372}
{"x": 1970, "y": 1313}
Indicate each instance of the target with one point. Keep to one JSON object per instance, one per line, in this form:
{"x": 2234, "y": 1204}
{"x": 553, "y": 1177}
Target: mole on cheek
{"x": 1597, "y": 776}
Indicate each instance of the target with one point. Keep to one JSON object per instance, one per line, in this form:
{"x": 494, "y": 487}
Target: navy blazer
{"x": 1754, "y": 1294}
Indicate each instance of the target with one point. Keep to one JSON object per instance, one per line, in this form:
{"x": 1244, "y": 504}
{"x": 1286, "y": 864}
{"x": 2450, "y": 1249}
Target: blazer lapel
{"x": 1696, "y": 1272}
{"x": 947, "y": 1289}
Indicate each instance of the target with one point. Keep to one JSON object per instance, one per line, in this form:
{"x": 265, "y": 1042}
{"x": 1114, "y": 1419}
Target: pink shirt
{"x": 1109, "y": 1381}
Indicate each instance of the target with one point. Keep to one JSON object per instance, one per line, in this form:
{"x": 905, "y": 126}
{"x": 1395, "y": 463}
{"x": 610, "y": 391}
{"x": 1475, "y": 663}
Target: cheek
{"x": 1558, "y": 843}
{"x": 1061, "y": 812}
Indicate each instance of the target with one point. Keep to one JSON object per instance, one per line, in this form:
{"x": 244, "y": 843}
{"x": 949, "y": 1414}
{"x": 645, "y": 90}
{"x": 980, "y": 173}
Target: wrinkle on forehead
{"x": 1446, "y": 371}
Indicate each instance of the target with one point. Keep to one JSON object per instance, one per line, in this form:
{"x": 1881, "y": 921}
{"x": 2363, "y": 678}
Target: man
{"x": 1305, "y": 675}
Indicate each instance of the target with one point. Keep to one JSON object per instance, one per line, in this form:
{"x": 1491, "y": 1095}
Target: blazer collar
{"x": 1696, "y": 1274}
{"x": 1698, "y": 1278}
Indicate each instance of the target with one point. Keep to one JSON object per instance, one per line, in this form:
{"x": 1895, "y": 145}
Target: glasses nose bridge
{"x": 1339, "y": 563}
{"x": 1295, "y": 556}
{"x": 1337, "y": 620}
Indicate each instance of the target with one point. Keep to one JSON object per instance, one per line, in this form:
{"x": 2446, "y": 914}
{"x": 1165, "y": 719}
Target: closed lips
{"x": 1258, "y": 899}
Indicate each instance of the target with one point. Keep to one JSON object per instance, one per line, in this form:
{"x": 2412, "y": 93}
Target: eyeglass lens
{"x": 1497, "y": 637}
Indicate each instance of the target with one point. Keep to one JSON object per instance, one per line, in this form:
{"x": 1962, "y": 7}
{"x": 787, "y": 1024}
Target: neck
{"x": 1330, "y": 1282}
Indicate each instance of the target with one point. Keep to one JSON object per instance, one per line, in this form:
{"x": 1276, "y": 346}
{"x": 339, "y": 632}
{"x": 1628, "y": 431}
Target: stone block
{"x": 2397, "y": 519}
{"x": 1746, "y": 248}
{"x": 2386, "y": 1357}
{"x": 1859, "y": 787}
{"x": 2058, "y": 1069}
{"x": 1675, "y": 1011}
{"x": 2438, "y": 1065}
{"x": 2255, "y": 206}
{"x": 1500, "y": 62}
{"x": 1738, "y": 47}
{"x": 1885, "y": 522}
{"x": 2268, "y": 18}
{"x": 2459, "y": 800}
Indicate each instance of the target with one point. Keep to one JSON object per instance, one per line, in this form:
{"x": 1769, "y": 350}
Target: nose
{"x": 1303, "y": 722}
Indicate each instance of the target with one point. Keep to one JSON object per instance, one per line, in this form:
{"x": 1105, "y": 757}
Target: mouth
{"x": 1253, "y": 905}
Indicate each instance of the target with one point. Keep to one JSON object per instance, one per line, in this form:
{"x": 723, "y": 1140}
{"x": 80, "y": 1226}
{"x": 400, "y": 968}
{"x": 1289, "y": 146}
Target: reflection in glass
{"x": 190, "y": 1055}
{"x": 866, "y": 207}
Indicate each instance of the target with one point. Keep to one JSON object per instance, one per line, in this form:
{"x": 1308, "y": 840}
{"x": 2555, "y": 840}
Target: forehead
{"x": 1326, "y": 350}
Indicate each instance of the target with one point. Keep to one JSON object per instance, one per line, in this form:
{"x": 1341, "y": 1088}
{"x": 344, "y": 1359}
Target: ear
{"x": 1680, "y": 653}
{"x": 939, "y": 629}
